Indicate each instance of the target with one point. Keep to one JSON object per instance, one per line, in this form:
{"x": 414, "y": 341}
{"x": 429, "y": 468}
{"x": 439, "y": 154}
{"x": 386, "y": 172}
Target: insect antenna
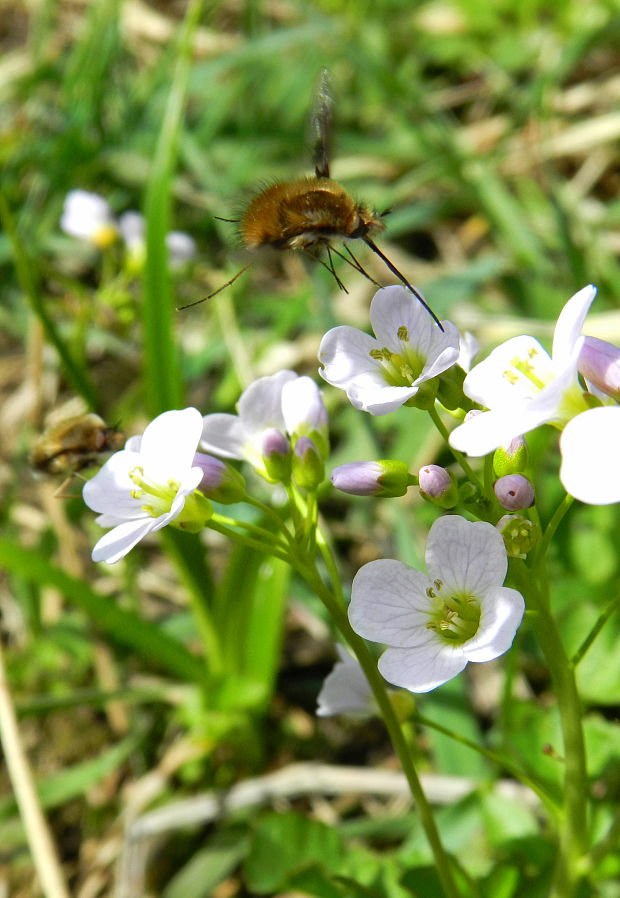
{"x": 322, "y": 125}
{"x": 231, "y": 220}
{"x": 219, "y": 289}
{"x": 402, "y": 279}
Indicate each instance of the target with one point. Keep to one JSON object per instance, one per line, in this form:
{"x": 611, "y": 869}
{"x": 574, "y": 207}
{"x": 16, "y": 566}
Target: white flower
{"x": 181, "y": 247}
{"x": 346, "y": 689}
{"x": 145, "y": 486}
{"x": 282, "y": 403}
{"x": 89, "y": 217}
{"x": 589, "y": 445}
{"x": 523, "y": 387}
{"x": 379, "y": 374}
{"x": 435, "y": 624}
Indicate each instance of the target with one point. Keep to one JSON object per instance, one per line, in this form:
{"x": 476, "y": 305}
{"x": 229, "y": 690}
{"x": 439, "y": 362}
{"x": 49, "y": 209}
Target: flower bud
{"x": 384, "y": 479}
{"x": 438, "y": 486}
{"x": 276, "y": 455}
{"x": 599, "y": 362}
{"x": 304, "y": 412}
{"x": 514, "y": 492}
{"x": 511, "y": 458}
{"x": 220, "y": 481}
{"x": 308, "y": 467}
{"x": 520, "y": 535}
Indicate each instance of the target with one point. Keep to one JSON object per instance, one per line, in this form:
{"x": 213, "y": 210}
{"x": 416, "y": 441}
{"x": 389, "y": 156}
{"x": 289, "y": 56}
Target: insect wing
{"x": 322, "y": 125}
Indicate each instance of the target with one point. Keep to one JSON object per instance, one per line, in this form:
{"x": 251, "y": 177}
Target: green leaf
{"x": 125, "y": 628}
{"x": 74, "y": 781}
{"x": 161, "y": 363}
{"x": 283, "y": 844}
{"x": 208, "y": 867}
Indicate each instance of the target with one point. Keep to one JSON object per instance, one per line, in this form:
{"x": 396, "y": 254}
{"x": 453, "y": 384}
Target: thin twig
{"x": 38, "y": 834}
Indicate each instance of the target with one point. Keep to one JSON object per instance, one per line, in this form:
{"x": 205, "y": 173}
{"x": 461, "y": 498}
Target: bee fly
{"x": 308, "y": 214}
{"x": 73, "y": 444}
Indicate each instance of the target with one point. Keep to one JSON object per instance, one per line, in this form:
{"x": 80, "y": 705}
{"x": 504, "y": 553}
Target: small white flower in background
{"x": 181, "y": 247}
{"x": 89, "y": 217}
{"x": 434, "y": 624}
{"x": 468, "y": 350}
{"x": 381, "y": 373}
{"x": 589, "y": 445}
{"x": 346, "y": 690}
{"x": 279, "y": 404}
{"x": 523, "y": 387}
{"x": 146, "y": 485}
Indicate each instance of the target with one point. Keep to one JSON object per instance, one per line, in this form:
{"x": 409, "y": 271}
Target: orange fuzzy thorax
{"x": 301, "y": 213}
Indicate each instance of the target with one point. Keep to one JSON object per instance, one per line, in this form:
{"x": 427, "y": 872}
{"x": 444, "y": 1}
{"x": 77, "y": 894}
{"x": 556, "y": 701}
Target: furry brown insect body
{"x": 73, "y": 444}
{"x": 306, "y": 213}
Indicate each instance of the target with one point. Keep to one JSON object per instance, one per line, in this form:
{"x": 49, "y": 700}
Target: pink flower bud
{"x": 599, "y": 362}
{"x": 385, "y": 478}
{"x": 514, "y": 491}
{"x": 511, "y": 458}
{"x": 220, "y": 481}
{"x": 308, "y": 467}
{"x": 438, "y": 486}
{"x": 276, "y": 455}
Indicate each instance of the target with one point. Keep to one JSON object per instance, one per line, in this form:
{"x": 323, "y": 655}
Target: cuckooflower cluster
{"x": 89, "y": 217}
{"x": 281, "y": 425}
{"x": 432, "y": 624}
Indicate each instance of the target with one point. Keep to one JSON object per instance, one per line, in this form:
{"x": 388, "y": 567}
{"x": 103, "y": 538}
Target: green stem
{"x": 500, "y": 761}
{"x": 460, "y": 458}
{"x": 260, "y": 533}
{"x": 399, "y": 743}
{"x": 573, "y": 824}
{"x": 604, "y": 616}
{"x": 265, "y": 548}
{"x": 553, "y": 525}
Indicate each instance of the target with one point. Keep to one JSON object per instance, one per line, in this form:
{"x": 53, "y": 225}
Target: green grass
{"x": 491, "y": 132}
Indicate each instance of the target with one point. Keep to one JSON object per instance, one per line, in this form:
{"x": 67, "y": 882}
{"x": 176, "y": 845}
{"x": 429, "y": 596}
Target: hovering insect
{"x": 73, "y": 444}
{"x": 308, "y": 214}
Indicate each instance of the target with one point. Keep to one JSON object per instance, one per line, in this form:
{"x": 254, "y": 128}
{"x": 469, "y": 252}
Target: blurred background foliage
{"x": 491, "y": 132}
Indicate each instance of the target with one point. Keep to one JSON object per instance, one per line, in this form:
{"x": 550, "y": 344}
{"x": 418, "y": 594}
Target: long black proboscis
{"x": 403, "y": 280}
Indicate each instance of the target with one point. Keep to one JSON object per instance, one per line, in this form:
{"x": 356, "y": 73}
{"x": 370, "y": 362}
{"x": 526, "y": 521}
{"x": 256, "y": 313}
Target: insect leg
{"x": 329, "y": 267}
{"x": 355, "y": 263}
{"x": 219, "y": 289}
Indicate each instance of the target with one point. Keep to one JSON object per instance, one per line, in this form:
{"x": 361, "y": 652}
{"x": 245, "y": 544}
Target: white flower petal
{"x": 345, "y": 354}
{"x": 395, "y": 307}
{"x": 465, "y": 556}
{"x": 502, "y": 612}
{"x": 131, "y": 225}
{"x": 84, "y": 214}
{"x": 570, "y": 324}
{"x": 260, "y": 406}
{"x": 377, "y": 398}
{"x": 389, "y": 604}
{"x": 422, "y": 669}
{"x": 116, "y": 543}
{"x": 302, "y": 407}
{"x": 494, "y": 383}
{"x": 169, "y": 443}
{"x": 109, "y": 491}
{"x": 487, "y": 431}
{"x": 345, "y": 690}
{"x": 223, "y": 435}
{"x": 589, "y": 445}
